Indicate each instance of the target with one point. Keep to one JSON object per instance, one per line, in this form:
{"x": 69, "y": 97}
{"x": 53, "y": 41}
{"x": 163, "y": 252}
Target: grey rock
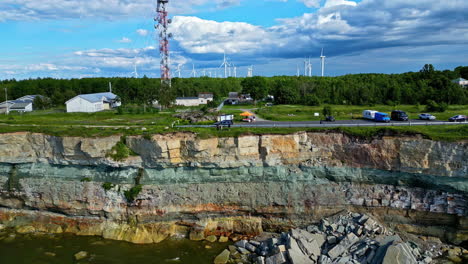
{"x": 222, "y": 258}
{"x": 250, "y": 247}
{"x": 241, "y": 243}
{"x": 399, "y": 253}
{"x": 295, "y": 252}
{"x": 363, "y": 219}
{"x": 260, "y": 260}
{"x": 272, "y": 242}
{"x": 340, "y": 229}
{"x": 331, "y": 239}
{"x": 243, "y": 251}
{"x": 343, "y": 246}
{"x": 276, "y": 259}
{"x": 325, "y": 260}
{"x": 427, "y": 260}
{"x": 356, "y": 215}
{"x": 255, "y": 243}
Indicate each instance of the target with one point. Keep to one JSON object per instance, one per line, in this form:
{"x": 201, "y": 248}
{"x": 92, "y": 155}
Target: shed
{"x": 90, "y": 103}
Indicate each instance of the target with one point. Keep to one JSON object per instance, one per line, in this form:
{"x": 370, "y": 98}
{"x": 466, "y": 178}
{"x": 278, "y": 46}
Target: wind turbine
{"x": 135, "y": 71}
{"x": 225, "y": 64}
{"x": 250, "y": 71}
{"x": 194, "y": 72}
{"x": 178, "y": 71}
{"x": 322, "y": 59}
{"x": 298, "y": 71}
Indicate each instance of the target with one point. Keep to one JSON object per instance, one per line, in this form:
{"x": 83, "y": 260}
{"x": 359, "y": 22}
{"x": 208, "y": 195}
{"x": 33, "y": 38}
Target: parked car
{"x": 427, "y": 117}
{"x": 399, "y": 115}
{"x": 458, "y": 118}
{"x": 330, "y": 118}
{"x": 382, "y": 117}
{"x": 249, "y": 119}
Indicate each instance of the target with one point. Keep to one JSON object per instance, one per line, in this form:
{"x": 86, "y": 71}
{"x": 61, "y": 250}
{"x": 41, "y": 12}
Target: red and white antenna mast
{"x": 164, "y": 36}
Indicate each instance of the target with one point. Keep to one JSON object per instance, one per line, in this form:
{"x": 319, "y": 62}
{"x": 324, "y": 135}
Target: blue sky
{"x": 74, "y": 39}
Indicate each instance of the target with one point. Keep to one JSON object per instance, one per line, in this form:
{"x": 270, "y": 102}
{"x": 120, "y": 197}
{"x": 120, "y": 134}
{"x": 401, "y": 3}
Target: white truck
{"x": 369, "y": 114}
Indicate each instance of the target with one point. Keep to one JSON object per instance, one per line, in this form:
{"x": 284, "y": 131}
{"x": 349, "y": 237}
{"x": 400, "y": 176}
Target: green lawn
{"x": 111, "y": 123}
{"x": 346, "y": 112}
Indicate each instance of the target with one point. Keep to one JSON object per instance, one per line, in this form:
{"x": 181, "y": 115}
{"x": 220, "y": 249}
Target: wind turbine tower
{"x": 194, "y": 72}
{"x": 307, "y": 68}
{"x": 250, "y": 71}
{"x": 225, "y": 64}
{"x": 162, "y": 26}
{"x": 322, "y": 59}
{"x": 179, "y": 67}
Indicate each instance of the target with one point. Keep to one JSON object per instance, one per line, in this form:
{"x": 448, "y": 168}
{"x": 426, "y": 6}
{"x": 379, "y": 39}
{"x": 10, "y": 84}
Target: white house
{"x": 90, "y": 103}
{"x": 202, "y": 99}
{"x": 188, "y": 101}
{"x": 462, "y": 82}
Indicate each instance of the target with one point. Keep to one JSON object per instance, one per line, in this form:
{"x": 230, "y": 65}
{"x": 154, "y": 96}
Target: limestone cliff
{"x": 227, "y": 185}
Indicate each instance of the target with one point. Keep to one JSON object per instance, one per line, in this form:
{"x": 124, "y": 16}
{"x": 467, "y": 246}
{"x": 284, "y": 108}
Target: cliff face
{"x": 226, "y": 185}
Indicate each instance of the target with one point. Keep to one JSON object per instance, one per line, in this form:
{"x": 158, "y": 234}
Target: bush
{"x": 119, "y": 152}
{"x": 327, "y": 111}
{"x": 433, "y": 106}
{"x": 132, "y": 194}
{"x": 107, "y": 186}
{"x": 86, "y": 179}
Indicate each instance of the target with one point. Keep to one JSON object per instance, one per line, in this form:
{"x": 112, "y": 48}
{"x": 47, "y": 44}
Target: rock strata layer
{"x": 182, "y": 185}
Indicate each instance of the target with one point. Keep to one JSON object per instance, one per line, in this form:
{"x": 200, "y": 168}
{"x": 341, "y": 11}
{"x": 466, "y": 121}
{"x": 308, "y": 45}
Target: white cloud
{"x": 331, "y": 3}
{"x": 124, "y": 40}
{"x": 311, "y": 3}
{"x": 105, "y": 9}
{"x": 142, "y": 32}
{"x": 200, "y": 36}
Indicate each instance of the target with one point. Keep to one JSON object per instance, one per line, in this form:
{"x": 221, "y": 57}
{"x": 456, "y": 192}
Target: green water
{"x": 29, "y": 249}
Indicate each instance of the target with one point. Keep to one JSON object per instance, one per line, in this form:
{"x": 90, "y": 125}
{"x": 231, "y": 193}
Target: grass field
{"x": 111, "y": 123}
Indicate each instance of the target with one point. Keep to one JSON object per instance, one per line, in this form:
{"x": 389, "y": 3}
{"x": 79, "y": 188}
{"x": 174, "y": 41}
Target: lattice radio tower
{"x": 162, "y": 27}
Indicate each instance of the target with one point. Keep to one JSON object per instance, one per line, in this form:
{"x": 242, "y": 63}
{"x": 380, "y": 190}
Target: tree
{"x": 256, "y": 86}
{"x": 327, "y": 111}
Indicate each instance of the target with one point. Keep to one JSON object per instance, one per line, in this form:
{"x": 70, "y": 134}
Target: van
{"x": 369, "y": 114}
{"x": 399, "y": 115}
{"x": 382, "y": 117}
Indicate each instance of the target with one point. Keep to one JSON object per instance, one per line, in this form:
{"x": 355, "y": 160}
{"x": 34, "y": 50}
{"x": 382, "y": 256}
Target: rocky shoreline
{"x": 347, "y": 238}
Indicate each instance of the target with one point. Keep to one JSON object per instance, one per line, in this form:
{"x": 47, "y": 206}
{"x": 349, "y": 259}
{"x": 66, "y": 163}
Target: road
{"x": 339, "y": 123}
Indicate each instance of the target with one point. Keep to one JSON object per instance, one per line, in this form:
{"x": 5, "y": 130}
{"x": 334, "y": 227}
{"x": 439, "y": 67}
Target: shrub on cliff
{"x": 131, "y": 194}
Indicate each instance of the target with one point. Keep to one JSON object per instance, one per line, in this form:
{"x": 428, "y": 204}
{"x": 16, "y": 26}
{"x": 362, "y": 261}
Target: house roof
{"x": 29, "y": 97}
{"x": 205, "y": 95}
{"x": 187, "y": 98}
{"x": 96, "y": 97}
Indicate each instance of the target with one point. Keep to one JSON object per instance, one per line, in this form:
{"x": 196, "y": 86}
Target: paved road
{"x": 340, "y": 123}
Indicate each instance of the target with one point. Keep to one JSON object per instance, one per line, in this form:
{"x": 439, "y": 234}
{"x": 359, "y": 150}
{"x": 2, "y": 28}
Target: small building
{"x": 188, "y": 101}
{"x": 462, "y": 82}
{"x": 90, "y": 103}
{"x": 205, "y": 97}
{"x": 202, "y": 99}
{"x": 22, "y": 104}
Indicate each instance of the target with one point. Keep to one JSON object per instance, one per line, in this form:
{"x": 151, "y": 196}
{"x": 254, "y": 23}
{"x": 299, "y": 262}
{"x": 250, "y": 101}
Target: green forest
{"x": 427, "y": 84}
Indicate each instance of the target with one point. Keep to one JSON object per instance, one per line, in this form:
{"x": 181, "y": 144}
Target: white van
{"x": 369, "y": 114}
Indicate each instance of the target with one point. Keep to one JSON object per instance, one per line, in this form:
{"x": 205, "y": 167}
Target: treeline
{"x": 357, "y": 89}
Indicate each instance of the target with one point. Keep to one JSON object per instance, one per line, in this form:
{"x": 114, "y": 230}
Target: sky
{"x": 116, "y": 38}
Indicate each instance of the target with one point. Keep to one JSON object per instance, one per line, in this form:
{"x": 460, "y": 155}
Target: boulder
{"x": 295, "y": 253}
{"x": 276, "y": 259}
{"x": 399, "y": 254}
{"x": 211, "y": 239}
{"x": 81, "y": 255}
{"x": 343, "y": 246}
{"x": 241, "y": 243}
{"x": 223, "y": 239}
{"x": 222, "y": 258}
